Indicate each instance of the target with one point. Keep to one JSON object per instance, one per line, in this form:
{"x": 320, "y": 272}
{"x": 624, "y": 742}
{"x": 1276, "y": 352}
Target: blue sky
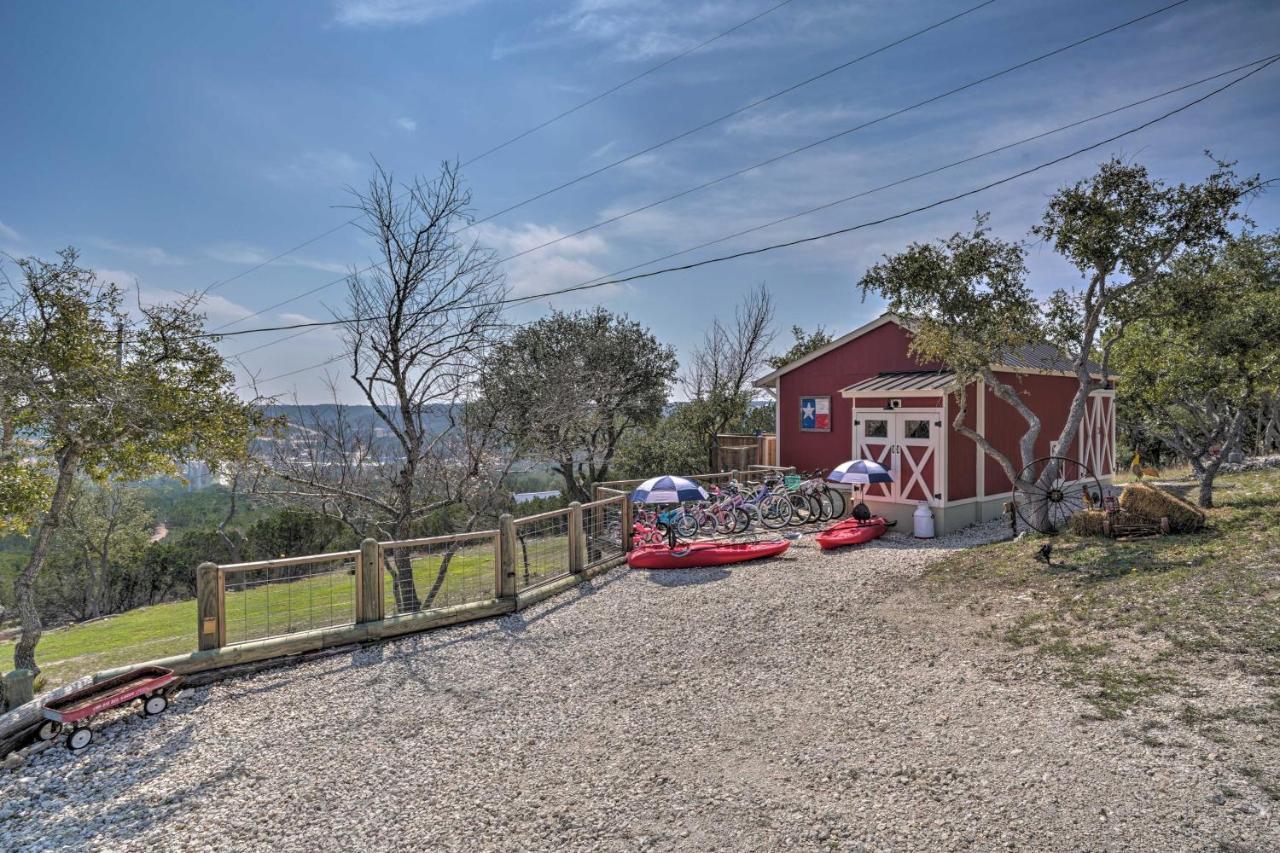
{"x": 176, "y": 144}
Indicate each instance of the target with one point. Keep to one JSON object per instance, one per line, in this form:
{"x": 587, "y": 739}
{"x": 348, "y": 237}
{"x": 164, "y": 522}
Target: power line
{"x": 654, "y": 147}
{"x": 519, "y": 136}
{"x": 864, "y": 193}
{"x": 628, "y": 82}
{"x": 739, "y": 111}
{"x": 849, "y": 229}
{"x": 838, "y": 135}
{"x": 767, "y": 162}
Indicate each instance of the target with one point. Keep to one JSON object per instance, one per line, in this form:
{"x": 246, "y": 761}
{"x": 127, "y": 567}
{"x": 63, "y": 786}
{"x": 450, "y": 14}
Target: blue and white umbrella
{"x": 860, "y": 472}
{"x": 668, "y": 490}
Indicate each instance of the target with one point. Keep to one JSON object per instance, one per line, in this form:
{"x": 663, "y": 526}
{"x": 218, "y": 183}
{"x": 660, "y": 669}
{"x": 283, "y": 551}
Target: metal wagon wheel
{"x": 1046, "y": 504}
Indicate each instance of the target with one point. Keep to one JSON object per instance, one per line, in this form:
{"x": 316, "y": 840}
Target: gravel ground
{"x": 818, "y": 701}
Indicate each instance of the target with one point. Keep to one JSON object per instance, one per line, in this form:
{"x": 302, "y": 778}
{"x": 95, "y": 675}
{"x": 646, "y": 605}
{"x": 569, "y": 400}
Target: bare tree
{"x": 719, "y": 377}
{"x": 422, "y": 317}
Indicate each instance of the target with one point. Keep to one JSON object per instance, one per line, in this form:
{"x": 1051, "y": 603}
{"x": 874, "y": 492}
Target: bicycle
{"x": 771, "y": 510}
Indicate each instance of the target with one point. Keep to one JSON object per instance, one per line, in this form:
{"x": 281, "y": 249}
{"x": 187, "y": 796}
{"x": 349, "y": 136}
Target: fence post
{"x": 577, "y": 542}
{"x": 626, "y": 522}
{"x": 209, "y": 617}
{"x": 369, "y": 603}
{"x": 19, "y": 688}
{"x": 507, "y": 551}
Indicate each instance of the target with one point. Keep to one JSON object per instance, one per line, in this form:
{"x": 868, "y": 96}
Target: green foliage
{"x": 291, "y": 532}
{"x": 761, "y": 418}
{"x": 570, "y": 387}
{"x": 1203, "y": 351}
{"x": 674, "y": 445}
{"x": 129, "y": 396}
{"x": 966, "y": 297}
{"x": 969, "y": 305}
{"x": 105, "y": 391}
{"x": 180, "y": 508}
{"x": 805, "y": 343}
{"x": 90, "y": 570}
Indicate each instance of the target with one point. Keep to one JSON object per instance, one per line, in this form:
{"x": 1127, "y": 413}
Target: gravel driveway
{"x": 819, "y": 701}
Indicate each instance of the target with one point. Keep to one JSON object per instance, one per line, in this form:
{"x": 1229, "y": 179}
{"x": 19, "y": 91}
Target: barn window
{"x": 876, "y": 428}
{"x": 915, "y": 429}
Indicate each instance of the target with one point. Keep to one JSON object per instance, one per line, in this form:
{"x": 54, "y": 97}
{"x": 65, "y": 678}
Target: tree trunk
{"x": 24, "y": 653}
{"x": 406, "y": 592}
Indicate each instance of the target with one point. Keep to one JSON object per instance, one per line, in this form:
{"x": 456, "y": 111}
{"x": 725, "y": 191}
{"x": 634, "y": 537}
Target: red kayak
{"x": 702, "y": 554}
{"x": 852, "y": 532}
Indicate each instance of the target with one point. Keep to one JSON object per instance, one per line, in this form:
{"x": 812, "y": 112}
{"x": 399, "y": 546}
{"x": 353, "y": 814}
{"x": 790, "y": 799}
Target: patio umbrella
{"x": 668, "y": 490}
{"x": 860, "y": 472}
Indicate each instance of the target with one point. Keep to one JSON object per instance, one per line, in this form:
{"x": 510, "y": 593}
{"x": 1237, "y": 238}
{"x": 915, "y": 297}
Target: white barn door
{"x": 907, "y": 444}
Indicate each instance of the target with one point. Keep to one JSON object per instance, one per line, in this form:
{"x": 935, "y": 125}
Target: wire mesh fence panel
{"x": 441, "y": 571}
{"x": 602, "y": 530}
{"x": 541, "y": 549}
{"x": 272, "y": 598}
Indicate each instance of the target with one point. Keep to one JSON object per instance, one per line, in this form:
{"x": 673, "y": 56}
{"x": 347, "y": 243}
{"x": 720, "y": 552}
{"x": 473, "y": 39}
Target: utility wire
{"x": 628, "y": 82}
{"x": 838, "y": 135}
{"x": 864, "y": 193}
{"x": 732, "y": 113}
{"x": 654, "y": 147}
{"x": 518, "y": 137}
{"x": 839, "y": 231}
{"x": 763, "y": 163}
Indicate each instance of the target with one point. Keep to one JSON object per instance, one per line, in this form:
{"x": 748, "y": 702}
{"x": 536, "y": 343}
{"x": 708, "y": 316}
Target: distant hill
{"x": 362, "y": 416}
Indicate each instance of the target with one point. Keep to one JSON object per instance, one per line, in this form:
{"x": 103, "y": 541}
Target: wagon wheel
{"x": 1045, "y": 499}
{"x": 155, "y": 704}
{"x": 79, "y": 739}
{"x": 49, "y": 730}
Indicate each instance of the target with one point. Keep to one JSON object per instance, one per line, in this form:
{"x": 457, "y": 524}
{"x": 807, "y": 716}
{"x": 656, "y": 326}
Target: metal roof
{"x": 904, "y": 380}
{"x": 1044, "y": 356}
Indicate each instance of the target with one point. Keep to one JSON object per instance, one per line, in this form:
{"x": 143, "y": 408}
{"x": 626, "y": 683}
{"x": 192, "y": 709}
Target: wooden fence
{"x": 277, "y": 609}
{"x": 735, "y": 450}
{"x": 249, "y": 611}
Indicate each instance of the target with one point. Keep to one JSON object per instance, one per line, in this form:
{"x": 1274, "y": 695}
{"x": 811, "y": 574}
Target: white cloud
{"x": 406, "y": 124}
{"x": 9, "y": 234}
{"x": 389, "y": 13}
{"x": 123, "y": 278}
{"x": 153, "y": 255}
{"x": 316, "y": 166}
{"x": 248, "y": 255}
{"x": 569, "y": 262}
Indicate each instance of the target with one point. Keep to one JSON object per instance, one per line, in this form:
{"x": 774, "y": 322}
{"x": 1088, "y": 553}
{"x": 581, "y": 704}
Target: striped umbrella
{"x": 668, "y": 490}
{"x": 860, "y": 472}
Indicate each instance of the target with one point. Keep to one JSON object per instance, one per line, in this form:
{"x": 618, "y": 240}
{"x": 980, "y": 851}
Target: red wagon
{"x": 152, "y": 684}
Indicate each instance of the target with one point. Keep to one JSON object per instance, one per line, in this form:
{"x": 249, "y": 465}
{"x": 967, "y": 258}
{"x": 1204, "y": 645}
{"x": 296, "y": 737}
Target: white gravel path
{"x": 812, "y": 702}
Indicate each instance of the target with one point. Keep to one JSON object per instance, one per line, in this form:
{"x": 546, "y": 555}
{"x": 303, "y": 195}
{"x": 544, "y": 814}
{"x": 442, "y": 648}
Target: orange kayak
{"x": 852, "y": 532}
{"x": 702, "y": 554}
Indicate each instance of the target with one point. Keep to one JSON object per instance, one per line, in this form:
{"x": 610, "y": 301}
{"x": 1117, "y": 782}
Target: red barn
{"x": 863, "y": 396}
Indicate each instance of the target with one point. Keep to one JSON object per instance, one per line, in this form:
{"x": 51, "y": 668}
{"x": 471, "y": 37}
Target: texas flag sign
{"x": 815, "y": 414}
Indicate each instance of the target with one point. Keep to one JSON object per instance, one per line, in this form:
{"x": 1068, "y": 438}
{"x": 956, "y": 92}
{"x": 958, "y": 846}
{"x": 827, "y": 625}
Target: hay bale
{"x": 1153, "y": 503}
{"x": 1087, "y": 522}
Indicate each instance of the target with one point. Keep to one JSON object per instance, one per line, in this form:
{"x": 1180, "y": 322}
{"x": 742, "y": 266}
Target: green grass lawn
{"x": 1128, "y": 623}
{"x": 65, "y": 654}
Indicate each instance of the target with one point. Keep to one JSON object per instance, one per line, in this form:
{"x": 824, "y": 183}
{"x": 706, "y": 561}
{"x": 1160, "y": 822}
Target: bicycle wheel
{"x": 742, "y": 520}
{"x": 724, "y": 519}
{"x": 706, "y": 523}
{"x": 800, "y": 509}
{"x": 824, "y": 505}
{"x": 815, "y": 510}
{"x": 686, "y": 525}
{"x": 775, "y": 512}
{"x": 837, "y": 502}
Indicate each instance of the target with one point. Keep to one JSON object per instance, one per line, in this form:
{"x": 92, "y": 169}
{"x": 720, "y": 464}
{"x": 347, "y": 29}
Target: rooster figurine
{"x": 1138, "y": 472}
{"x": 1045, "y": 554}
